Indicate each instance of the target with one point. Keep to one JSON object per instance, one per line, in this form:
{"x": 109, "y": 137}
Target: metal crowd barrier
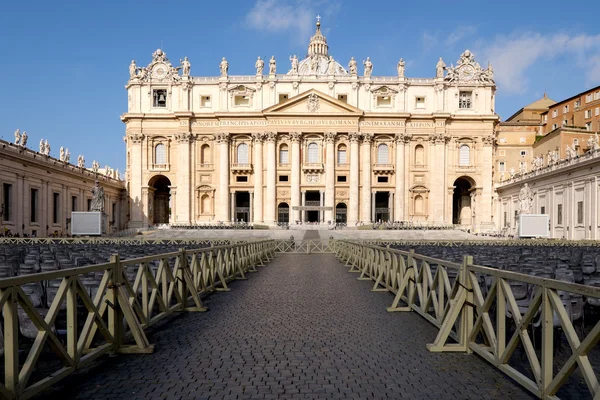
{"x": 470, "y": 304}
{"x": 132, "y": 296}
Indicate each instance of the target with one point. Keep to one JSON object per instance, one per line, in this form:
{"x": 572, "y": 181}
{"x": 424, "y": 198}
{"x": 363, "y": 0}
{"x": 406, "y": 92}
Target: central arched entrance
{"x": 283, "y": 213}
{"x": 159, "y": 202}
{"x": 462, "y": 212}
{"x": 341, "y": 212}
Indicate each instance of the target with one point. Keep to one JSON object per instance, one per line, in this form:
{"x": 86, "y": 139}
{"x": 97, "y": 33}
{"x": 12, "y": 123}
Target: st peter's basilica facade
{"x": 320, "y": 143}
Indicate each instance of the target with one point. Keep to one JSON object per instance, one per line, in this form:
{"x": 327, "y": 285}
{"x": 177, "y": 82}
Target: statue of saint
{"x": 24, "y": 139}
{"x": 525, "y": 200}
{"x": 42, "y": 147}
{"x": 259, "y": 65}
{"x": 186, "y": 66}
{"x": 224, "y": 66}
{"x": 439, "y": 68}
{"x": 132, "y": 69}
{"x": 97, "y": 198}
{"x": 95, "y": 166}
{"x": 80, "y": 161}
{"x": 67, "y": 156}
{"x": 272, "y": 66}
{"x": 352, "y": 67}
{"x": 294, "y": 61}
{"x": 314, "y": 64}
{"x": 401, "y": 65}
{"x": 117, "y": 174}
{"x": 61, "y": 154}
{"x": 47, "y": 148}
{"x": 17, "y": 136}
{"x": 331, "y": 66}
{"x": 368, "y": 67}
{"x": 143, "y": 73}
{"x": 512, "y": 172}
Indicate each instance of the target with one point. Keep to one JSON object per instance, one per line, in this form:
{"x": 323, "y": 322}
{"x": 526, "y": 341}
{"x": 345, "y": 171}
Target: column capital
{"x": 329, "y": 137}
{"x": 270, "y": 137}
{"x": 183, "y": 137}
{"x": 353, "y": 137}
{"x": 402, "y": 138}
{"x": 295, "y": 137}
{"x": 136, "y": 138}
{"x": 488, "y": 140}
{"x": 367, "y": 138}
{"x": 222, "y": 137}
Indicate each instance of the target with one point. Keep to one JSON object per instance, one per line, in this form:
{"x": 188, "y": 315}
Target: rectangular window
{"x": 566, "y": 109}
{"x": 283, "y": 178}
{"x": 242, "y": 100}
{"x": 382, "y": 179}
{"x": 283, "y": 97}
{"x": 464, "y": 99}
{"x": 89, "y": 204}
{"x": 343, "y": 98}
{"x": 554, "y": 126}
{"x": 384, "y": 101}
{"x": 283, "y": 156}
{"x": 341, "y": 178}
{"x": 7, "y": 201}
{"x": 73, "y": 203}
{"x": 341, "y": 156}
{"x": 241, "y": 179}
{"x": 559, "y": 214}
{"x": 597, "y": 111}
{"x": 159, "y": 98}
{"x": 55, "y": 208}
{"x": 545, "y": 117}
{"x": 205, "y": 101}
{"x": 565, "y": 122}
{"x": 577, "y": 103}
{"x": 588, "y": 113}
{"x": 523, "y": 153}
{"x": 588, "y": 98}
{"x": 502, "y": 140}
{"x": 554, "y": 113}
{"x": 419, "y": 102}
{"x": 588, "y": 126}
{"x": 502, "y": 166}
{"x": 522, "y": 140}
{"x": 33, "y": 206}
{"x": 579, "y": 212}
{"x": 543, "y": 210}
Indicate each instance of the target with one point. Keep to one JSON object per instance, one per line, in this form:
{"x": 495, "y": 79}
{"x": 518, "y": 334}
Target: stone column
{"x": 271, "y": 138}
{"x": 223, "y": 195}
{"x": 303, "y": 213}
{"x": 183, "y": 178}
{"x": 233, "y": 205}
{"x": 138, "y": 201}
{"x": 251, "y": 211}
{"x": 258, "y": 138}
{"x": 373, "y": 214}
{"x": 399, "y": 211}
{"x": 295, "y": 137}
{"x": 367, "y": 138}
{"x": 438, "y": 172}
{"x": 391, "y": 206}
{"x": 484, "y": 202}
{"x": 329, "y": 175}
{"x": 354, "y": 179}
{"x": 321, "y": 204}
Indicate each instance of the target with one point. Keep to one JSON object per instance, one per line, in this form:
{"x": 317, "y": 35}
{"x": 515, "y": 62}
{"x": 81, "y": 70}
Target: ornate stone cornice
{"x": 222, "y": 137}
{"x": 367, "y": 138}
{"x": 353, "y": 137}
{"x": 295, "y": 137}
{"x": 329, "y": 137}
{"x": 258, "y": 137}
{"x": 488, "y": 140}
{"x": 271, "y": 137}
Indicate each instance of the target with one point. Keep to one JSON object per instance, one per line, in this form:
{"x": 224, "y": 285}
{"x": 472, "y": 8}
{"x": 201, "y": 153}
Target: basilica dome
{"x": 318, "y": 61}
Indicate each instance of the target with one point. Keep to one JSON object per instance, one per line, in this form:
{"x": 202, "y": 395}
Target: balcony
{"x": 312, "y": 167}
{"x": 383, "y": 169}
{"x": 159, "y": 167}
{"x": 241, "y": 168}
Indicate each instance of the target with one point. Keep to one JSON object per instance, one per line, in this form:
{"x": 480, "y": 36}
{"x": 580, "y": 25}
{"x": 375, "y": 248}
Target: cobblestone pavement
{"x": 300, "y": 328}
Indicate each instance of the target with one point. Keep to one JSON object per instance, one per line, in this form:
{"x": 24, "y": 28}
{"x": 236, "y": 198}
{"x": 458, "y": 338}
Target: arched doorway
{"x": 462, "y": 213}
{"x": 283, "y": 213}
{"x": 159, "y": 204}
{"x": 341, "y": 212}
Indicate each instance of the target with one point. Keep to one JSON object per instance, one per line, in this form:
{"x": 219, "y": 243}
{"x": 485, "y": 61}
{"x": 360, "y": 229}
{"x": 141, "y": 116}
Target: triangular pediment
{"x": 313, "y": 102}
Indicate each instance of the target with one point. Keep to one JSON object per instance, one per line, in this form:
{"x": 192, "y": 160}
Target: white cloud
{"x": 459, "y": 34}
{"x": 513, "y": 56}
{"x": 297, "y": 16}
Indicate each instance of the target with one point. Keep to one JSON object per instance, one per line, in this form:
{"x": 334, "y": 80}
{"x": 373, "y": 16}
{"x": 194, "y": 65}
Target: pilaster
{"x": 402, "y": 141}
{"x": 367, "y": 139}
{"x": 295, "y": 138}
{"x": 183, "y": 178}
{"x": 223, "y": 194}
{"x": 258, "y": 138}
{"x": 329, "y": 175}
{"x": 271, "y": 138}
{"x": 354, "y": 179}
{"x": 138, "y": 218}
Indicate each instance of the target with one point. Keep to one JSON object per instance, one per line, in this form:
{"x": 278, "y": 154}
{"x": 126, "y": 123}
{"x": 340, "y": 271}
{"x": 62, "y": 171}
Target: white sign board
{"x": 86, "y": 223}
{"x": 534, "y": 225}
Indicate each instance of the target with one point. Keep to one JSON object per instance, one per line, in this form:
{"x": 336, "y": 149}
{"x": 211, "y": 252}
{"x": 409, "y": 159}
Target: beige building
{"x": 581, "y": 111}
{"x": 317, "y": 143}
{"x": 39, "y": 192}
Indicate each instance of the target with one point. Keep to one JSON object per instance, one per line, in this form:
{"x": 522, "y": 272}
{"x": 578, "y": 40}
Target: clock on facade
{"x": 467, "y": 73}
{"x": 159, "y": 71}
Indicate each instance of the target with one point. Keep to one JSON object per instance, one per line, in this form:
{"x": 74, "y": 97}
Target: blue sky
{"x": 66, "y": 62}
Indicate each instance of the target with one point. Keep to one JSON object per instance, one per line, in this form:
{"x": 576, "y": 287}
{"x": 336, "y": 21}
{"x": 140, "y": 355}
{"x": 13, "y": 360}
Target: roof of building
{"x": 574, "y": 97}
{"x": 541, "y": 104}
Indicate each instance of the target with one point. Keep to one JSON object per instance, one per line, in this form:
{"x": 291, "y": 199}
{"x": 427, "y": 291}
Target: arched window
{"x": 464, "y": 155}
{"x": 313, "y": 153}
{"x": 341, "y": 155}
{"x": 205, "y": 204}
{"x": 419, "y": 155}
{"x": 160, "y": 154}
{"x": 242, "y": 153}
{"x": 419, "y": 209}
{"x": 382, "y": 154}
{"x": 205, "y": 154}
{"x": 284, "y": 154}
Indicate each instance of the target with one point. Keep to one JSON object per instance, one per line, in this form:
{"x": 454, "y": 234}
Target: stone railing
{"x": 131, "y": 296}
{"x": 470, "y": 305}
